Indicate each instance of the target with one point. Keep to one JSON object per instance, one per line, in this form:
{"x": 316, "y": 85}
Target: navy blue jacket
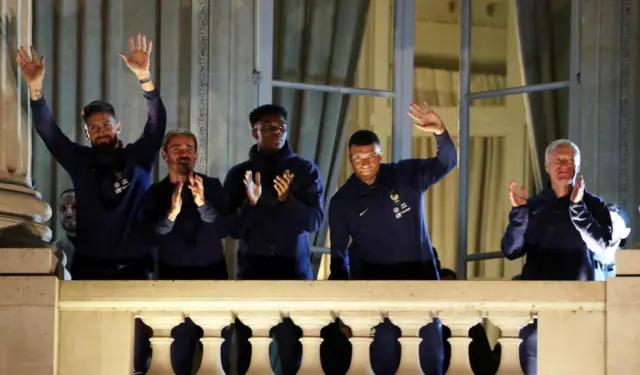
{"x": 195, "y": 237}
{"x": 386, "y": 220}
{"x": 109, "y": 185}
{"x": 542, "y": 230}
{"x": 272, "y": 228}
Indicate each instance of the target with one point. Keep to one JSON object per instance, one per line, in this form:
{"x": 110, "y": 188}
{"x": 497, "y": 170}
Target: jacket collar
{"x": 361, "y": 187}
{"x": 283, "y": 153}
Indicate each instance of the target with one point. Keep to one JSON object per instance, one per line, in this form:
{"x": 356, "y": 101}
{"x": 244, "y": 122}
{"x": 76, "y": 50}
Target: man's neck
{"x": 264, "y": 151}
{"x": 177, "y": 178}
{"x": 560, "y": 188}
{"x": 368, "y": 181}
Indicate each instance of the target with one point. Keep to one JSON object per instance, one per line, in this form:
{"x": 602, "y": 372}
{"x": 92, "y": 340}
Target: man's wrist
{"x": 144, "y": 77}
{"x": 440, "y": 131}
{"x": 35, "y": 91}
{"x": 172, "y": 216}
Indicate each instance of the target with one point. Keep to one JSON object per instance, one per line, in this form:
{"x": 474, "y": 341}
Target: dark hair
{"x": 265, "y": 110}
{"x": 97, "y": 106}
{"x": 364, "y": 138}
{"x": 178, "y": 133}
{"x": 446, "y": 272}
{"x": 71, "y": 190}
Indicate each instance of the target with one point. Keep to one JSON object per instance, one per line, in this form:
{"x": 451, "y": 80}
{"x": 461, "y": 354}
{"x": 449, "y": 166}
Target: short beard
{"x": 106, "y": 146}
{"x": 184, "y": 169}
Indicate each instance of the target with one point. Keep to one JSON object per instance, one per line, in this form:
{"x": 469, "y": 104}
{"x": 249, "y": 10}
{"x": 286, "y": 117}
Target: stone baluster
{"x": 260, "y": 323}
{"x": 162, "y": 323}
{"x": 361, "y": 323}
{"x": 459, "y": 323}
{"x": 410, "y": 323}
{"x": 510, "y": 324}
{"x": 23, "y": 213}
{"x": 212, "y": 324}
{"x": 311, "y": 323}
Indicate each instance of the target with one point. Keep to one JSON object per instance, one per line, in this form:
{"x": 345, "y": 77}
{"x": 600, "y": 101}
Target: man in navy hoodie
{"x": 109, "y": 178}
{"x": 381, "y": 209}
{"x": 541, "y": 229}
{"x": 276, "y": 199}
{"x": 187, "y": 211}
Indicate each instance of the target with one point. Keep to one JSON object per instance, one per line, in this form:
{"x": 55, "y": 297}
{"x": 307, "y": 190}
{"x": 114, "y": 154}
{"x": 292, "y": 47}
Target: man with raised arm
{"x": 541, "y": 229}
{"x": 109, "y": 178}
{"x": 381, "y": 210}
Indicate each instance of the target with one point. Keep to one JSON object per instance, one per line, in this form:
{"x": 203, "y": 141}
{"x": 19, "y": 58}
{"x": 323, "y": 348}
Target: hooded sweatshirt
{"x": 274, "y": 232}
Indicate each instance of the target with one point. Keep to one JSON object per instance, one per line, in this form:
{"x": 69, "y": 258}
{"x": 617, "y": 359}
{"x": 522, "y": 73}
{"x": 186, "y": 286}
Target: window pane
{"x": 521, "y": 42}
{"x": 341, "y": 43}
{"x": 437, "y": 53}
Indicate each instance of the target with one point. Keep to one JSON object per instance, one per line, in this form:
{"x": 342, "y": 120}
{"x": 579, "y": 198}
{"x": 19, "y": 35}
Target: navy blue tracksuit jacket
{"x": 194, "y": 239}
{"x": 543, "y": 231}
{"x": 274, "y": 236}
{"x": 386, "y": 220}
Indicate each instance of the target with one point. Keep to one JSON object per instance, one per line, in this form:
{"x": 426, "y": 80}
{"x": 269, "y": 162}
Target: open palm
{"x": 31, "y": 66}
{"x": 425, "y": 119}
{"x": 139, "y": 58}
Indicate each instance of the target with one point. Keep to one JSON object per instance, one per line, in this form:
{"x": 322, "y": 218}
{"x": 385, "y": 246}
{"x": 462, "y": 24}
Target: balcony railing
{"x": 80, "y": 327}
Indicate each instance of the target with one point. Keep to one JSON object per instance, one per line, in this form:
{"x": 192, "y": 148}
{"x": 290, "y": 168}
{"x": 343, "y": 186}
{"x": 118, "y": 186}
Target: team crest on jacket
{"x": 121, "y": 183}
{"x": 399, "y": 208}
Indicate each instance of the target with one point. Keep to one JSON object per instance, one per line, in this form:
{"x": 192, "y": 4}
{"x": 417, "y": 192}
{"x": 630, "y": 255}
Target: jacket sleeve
{"x": 339, "y": 238}
{"x": 146, "y": 148}
{"x": 240, "y": 211}
{"x": 65, "y": 151}
{"x": 595, "y": 233}
{"x": 153, "y": 219}
{"x": 215, "y": 211}
{"x": 513, "y": 241}
{"x": 305, "y": 208}
{"x": 424, "y": 173}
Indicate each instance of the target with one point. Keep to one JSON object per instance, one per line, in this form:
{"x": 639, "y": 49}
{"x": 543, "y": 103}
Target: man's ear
{"x": 254, "y": 132}
{"x": 118, "y": 128}
{"x": 86, "y": 132}
{"x": 165, "y": 157}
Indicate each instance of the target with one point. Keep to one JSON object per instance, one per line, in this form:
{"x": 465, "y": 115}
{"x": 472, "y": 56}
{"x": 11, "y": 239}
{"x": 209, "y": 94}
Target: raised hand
{"x": 140, "y": 55}
{"x": 282, "y": 184}
{"x": 197, "y": 189}
{"x": 31, "y": 66}
{"x": 426, "y": 119}
{"x": 176, "y": 203}
{"x": 254, "y": 188}
{"x": 578, "y": 190}
{"x": 517, "y": 199}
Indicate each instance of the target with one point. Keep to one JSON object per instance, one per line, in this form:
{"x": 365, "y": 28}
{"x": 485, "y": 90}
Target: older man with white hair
{"x": 540, "y": 228}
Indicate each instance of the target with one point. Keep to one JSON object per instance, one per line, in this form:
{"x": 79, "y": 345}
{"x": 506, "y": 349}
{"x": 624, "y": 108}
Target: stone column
{"x": 608, "y": 132}
{"x": 23, "y": 213}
